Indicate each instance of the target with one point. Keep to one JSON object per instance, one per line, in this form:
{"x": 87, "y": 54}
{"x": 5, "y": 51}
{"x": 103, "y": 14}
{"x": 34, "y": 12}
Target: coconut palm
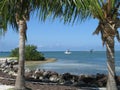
{"x": 16, "y": 14}
{"x": 108, "y": 14}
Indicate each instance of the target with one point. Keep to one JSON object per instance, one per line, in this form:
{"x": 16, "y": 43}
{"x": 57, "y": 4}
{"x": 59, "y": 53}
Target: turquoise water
{"x": 79, "y": 62}
{"x": 4, "y": 54}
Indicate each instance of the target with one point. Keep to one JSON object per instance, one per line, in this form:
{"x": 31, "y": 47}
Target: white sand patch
{"x": 5, "y": 87}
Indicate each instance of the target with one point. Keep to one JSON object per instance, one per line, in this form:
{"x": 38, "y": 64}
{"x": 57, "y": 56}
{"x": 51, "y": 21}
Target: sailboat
{"x": 67, "y": 52}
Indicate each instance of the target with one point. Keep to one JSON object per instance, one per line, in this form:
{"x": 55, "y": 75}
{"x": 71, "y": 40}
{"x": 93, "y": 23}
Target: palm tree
{"x": 108, "y": 14}
{"x": 16, "y": 14}
{"x": 109, "y": 22}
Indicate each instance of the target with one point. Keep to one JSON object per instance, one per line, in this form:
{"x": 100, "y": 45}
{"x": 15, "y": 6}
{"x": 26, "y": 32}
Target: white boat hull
{"x": 67, "y": 52}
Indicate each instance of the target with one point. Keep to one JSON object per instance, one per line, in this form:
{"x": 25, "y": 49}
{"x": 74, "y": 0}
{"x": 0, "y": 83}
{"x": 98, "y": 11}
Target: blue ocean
{"x": 78, "y": 62}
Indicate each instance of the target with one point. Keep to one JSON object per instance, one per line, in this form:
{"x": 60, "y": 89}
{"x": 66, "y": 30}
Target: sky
{"x": 57, "y": 36}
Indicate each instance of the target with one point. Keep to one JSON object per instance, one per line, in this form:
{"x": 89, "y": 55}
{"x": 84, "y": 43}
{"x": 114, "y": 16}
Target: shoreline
{"x": 79, "y": 82}
{"x": 29, "y": 63}
{"x": 55, "y": 81}
{"x": 33, "y": 63}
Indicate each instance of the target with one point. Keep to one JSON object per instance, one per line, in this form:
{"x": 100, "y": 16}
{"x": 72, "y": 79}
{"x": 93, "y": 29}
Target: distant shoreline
{"x": 30, "y": 63}
{"x": 33, "y": 63}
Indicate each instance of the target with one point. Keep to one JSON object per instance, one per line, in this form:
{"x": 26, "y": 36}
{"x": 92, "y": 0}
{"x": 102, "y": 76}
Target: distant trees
{"x": 31, "y": 53}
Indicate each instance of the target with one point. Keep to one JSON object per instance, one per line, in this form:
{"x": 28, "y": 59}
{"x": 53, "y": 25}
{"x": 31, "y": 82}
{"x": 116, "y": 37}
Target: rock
{"x": 68, "y": 83}
{"x": 35, "y": 76}
{"x": 64, "y": 79}
{"x": 27, "y": 70}
{"x": 75, "y": 78}
{"x": 46, "y": 80}
{"x": 99, "y": 76}
{"x": 118, "y": 79}
{"x": 15, "y": 62}
{"x": 29, "y": 74}
{"x": 6, "y": 71}
{"x": 12, "y": 73}
{"x": 54, "y": 78}
{"x": 82, "y": 76}
{"x": 3, "y": 65}
{"x": 79, "y": 83}
{"x": 46, "y": 74}
{"x": 54, "y": 73}
{"x": 102, "y": 82}
{"x": 61, "y": 80}
{"x": 37, "y": 70}
{"x": 15, "y": 69}
{"x": 87, "y": 79}
{"x": 41, "y": 77}
{"x": 67, "y": 76}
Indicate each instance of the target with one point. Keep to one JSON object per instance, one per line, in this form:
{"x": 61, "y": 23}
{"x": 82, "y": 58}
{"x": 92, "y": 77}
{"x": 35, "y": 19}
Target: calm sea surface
{"x": 78, "y": 62}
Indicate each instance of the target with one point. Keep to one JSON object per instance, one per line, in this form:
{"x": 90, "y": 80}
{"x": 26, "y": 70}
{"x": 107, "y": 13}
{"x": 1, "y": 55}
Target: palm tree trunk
{"x": 111, "y": 82}
{"x": 20, "y": 80}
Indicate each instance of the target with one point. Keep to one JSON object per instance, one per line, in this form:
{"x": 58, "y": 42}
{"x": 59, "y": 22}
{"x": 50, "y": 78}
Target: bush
{"x": 31, "y": 53}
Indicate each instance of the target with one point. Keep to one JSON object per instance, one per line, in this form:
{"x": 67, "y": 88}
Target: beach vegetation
{"x": 31, "y": 53}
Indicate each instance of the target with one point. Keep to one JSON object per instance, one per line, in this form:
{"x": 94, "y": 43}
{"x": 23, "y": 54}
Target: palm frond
{"x": 50, "y": 8}
{"x": 98, "y": 30}
{"x": 77, "y": 10}
{"x": 3, "y": 24}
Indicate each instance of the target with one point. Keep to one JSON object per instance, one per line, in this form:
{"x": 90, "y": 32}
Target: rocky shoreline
{"x": 44, "y": 77}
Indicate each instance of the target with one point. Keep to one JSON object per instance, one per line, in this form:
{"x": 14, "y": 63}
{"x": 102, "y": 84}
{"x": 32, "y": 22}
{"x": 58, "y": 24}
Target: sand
{"x": 33, "y": 63}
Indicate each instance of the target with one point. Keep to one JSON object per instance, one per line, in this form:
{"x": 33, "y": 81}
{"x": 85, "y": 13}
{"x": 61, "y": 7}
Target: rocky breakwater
{"x": 9, "y": 67}
{"x": 82, "y": 80}
{"x": 52, "y": 77}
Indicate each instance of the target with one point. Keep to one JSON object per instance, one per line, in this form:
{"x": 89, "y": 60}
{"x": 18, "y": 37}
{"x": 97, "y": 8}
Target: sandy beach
{"x": 33, "y": 63}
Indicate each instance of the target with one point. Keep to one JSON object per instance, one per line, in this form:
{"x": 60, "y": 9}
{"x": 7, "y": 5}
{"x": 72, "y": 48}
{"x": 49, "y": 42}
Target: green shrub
{"x": 31, "y": 53}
